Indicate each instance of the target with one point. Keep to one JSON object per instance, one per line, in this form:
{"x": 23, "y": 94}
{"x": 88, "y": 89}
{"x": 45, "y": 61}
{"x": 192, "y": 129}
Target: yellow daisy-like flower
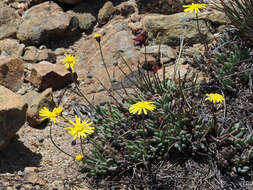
{"x": 69, "y": 61}
{"x": 97, "y": 37}
{"x": 79, "y": 129}
{"x": 142, "y": 106}
{"x": 46, "y": 114}
{"x": 194, "y": 7}
{"x": 215, "y": 98}
{"x": 79, "y": 157}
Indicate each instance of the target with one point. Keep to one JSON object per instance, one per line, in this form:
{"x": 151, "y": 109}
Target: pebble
{"x": 20, "y": 173}
{"x": 40, "y": 139}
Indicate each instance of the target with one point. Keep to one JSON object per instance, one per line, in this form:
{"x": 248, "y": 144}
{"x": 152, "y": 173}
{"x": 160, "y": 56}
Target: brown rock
{"x": 9, "y": 22}
{"x": 45, "y": 21}
{"x": 11, "y": 72}
{"x": 12, "y": 115}
{"x": 11, "y": 47}
{"x": 172, "y": 27}
{"x": 34, "y": 55}
{"x": 36, "y": 101}
{"x": 47, "y": 75}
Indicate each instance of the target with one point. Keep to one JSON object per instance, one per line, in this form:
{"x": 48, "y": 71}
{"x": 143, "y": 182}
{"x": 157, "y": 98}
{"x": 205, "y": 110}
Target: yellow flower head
{"x": 69, "y": 61}
{"x": 194, "y": 7}
{"x": 79, "y": 157}
{"x": 97, "y": 37}
{"x": 215, "y": 98}
{"x": 46, "y": 114}
{"x": 79, "y": 129}
{"x": 142, "y": 106}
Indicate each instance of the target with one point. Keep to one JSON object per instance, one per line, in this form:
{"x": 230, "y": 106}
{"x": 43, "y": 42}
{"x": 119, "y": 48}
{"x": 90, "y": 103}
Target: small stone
{"x": 20, "y": 173}
{"x": 40, "y": 139}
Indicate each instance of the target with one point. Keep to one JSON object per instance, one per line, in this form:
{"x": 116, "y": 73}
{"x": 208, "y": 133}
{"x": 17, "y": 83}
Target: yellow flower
{"x": 46, "y": 114}
{"x": 194, "y": 7}
{"x": 142, "y": 106}
{"x": 69, "y": 61}
{"x": 97, "y": 37}
{"x": 215, "y": 98}
{"x": 79, "y": 157}
{"x": 79, "y": 129}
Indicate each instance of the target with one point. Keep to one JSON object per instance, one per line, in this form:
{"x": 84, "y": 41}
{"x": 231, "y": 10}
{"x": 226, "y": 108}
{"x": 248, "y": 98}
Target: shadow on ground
{"x": 16, "y": 156}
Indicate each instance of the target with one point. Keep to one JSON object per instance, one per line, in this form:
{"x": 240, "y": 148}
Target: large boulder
{"x": 47, "y": 75}
{"x": 11, "y": 72}
{"x": 12, "y": 115}
{"x": 45, "y": 21}
{"x": 9, "y": 22}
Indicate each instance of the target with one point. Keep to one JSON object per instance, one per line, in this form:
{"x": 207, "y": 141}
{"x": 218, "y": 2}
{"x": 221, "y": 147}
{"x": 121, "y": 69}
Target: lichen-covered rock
{"x": 86, "y": 20}
{"x": 45, "y": 21}
{"x": 105, "y": 13}
{"x": 12, "y": 115}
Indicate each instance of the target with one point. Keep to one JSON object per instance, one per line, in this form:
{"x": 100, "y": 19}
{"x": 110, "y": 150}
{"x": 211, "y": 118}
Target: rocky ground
{"x": 35, "y": 35}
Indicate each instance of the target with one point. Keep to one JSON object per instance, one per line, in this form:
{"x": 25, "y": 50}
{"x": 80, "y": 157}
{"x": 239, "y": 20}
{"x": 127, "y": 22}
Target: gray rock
{"x": 86, "y": 20}
{"x": 105, "y": 13}
{"x": 45, "y": 21}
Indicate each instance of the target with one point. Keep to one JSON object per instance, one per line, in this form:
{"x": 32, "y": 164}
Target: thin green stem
{"x": 50, "y": 136}
{"x": 101, "y": 53}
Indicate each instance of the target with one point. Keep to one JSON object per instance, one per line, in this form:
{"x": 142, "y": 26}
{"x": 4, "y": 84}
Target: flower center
{"x": 79, "y": 128}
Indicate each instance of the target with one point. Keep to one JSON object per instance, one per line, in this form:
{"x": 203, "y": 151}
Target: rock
{"x": 217, "y": 17}
{"x": 9, "y": 22}
{"x": 117, "y": 40}
{"x": 47, "y": 75}
{"x": 36, "y": 101}
{"x": 172, "y": 27}
{"x": 34, "y": 55}
{"x": 127, "y": 8}
{"x": 45, "y": 21}
{"x": 11, "y": 47}
{"x": 71, "y": 2}
{"x": 165, "y": 50}
{"x": 166, "y": 7}
{"x": 105, "y": 13}
{"x": 12, "y": 115}
{"x": 34, "y": 178}
{"x": 183, "y": 69}
{"x": 11, "y": 73}
{"x": 86, "y": 20}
